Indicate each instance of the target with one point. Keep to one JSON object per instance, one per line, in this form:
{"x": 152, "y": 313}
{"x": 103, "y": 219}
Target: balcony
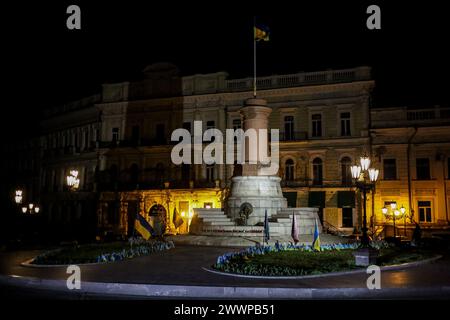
{"x": 299, "y": 79}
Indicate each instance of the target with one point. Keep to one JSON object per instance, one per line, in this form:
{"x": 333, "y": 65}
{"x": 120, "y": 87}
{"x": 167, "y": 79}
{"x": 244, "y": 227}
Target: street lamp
{"x": 72, "y": 180}
{"x": 19, "y": 197}
{"x": 365, "y": 178}
{"x": 394, "y": 214}
{"x": 31, "y": 209}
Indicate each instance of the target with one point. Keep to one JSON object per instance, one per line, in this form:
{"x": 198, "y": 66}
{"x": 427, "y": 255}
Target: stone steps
{"x": 218, "y": 223}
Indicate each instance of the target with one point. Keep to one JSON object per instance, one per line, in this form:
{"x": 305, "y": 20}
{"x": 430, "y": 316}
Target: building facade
{"x": 120, "y": 143}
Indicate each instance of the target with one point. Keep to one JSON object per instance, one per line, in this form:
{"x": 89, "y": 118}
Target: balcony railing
{"x": 300, "y": 79}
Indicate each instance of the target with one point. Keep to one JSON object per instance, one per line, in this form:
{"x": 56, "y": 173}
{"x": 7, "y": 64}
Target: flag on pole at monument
{"x": 266, "y": 227}
{"x": 177, "y": 219}
{"x": 143, "y": 227}
{"x": 316, "y": 241}
{"x": 261, "y": 32}
{"x": 294, "y": 231}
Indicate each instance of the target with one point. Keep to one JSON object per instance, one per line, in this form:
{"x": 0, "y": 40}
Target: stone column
{"x": 255, "y": 114}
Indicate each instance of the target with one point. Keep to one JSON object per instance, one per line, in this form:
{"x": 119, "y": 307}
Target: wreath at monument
{"x": 244, "y": 212}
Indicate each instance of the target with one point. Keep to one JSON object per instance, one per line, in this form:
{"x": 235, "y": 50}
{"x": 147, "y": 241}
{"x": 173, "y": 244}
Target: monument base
{"x": 261, "y": 192}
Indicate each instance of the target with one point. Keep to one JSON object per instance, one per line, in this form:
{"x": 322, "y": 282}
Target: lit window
{"x": 424, "y": 211}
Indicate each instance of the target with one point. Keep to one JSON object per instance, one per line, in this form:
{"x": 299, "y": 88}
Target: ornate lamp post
{"x": 394, "y": 214}
{"x": 73, "y": 182}
{"x": 364, "y": 178}
{"x": 31, "y": 209}
{"x": 19, "y": 197}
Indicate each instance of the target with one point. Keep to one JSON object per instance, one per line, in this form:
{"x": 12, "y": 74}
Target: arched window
{"x": 317, "y": 171}
{"x": 346, "y": 174}
{"x": 289, "y": 170}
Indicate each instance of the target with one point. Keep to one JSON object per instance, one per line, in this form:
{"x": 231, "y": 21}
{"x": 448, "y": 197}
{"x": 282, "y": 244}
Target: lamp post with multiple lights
{"x": 31, "y": 208}
{"x": 394, "y": 214}
{"x": 364, "y": 179}
{"x": 73, "y": 182}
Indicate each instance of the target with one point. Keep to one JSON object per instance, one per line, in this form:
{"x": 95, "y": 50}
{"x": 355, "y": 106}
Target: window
{"x": 345, "y": 171}
{"x": 134, "y": 174}
{"x": 317, "y": 171}
{"x": 424, "y": 211}
{"x": 316, "y": 125}
{"x": 347, "y": 217}
{"x": 289, "y": 170}
{"x": 160, "y": 133}
{"x": 115, "y": 134}
{"x": 185, "y": 172}
{"x": 135, "y": 134}
{"x": 210, "y": 172}
{"x": 389, "y": 169}
{"x": 448, "y": 168}
{"x": 345, "y": 124}
{"x": 288, "y": 128}
{"x": 237, "y": 124}
{"x": 86, "y": 139}
{"x": 423, "y": 169}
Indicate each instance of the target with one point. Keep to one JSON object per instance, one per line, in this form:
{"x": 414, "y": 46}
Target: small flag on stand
{"x": 294, "y": 232}
{"x": 177, "y": 220}
{"x": 266, "y": 228}
{"x": 143, "y": 227}
{"x": 316, "y": 241}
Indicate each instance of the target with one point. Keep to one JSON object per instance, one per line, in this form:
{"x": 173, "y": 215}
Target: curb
{"x": 201, "y": 292}
{"x": 324, "y": 275}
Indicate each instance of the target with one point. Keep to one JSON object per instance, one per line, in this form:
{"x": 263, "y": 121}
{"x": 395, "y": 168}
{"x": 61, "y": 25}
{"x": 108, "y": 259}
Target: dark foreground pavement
{"x": 179, "y": 273}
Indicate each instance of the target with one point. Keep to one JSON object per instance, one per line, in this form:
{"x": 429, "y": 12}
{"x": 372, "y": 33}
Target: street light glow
{"x": 365, "y": 162}
{"x": 356, "y": 171}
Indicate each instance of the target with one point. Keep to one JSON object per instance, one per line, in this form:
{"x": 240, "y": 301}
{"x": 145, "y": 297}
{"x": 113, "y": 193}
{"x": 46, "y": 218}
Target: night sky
{"x": 46, "y": 64}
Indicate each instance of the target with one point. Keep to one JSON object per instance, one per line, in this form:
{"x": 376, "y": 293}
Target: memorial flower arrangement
{"x": 138, "y": 247}
{"x": 101, "y": 253}
{"x": 240, "y": 262}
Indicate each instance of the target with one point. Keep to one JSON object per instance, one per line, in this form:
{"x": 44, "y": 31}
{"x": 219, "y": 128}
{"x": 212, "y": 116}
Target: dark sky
{"x": 45, "y": 64}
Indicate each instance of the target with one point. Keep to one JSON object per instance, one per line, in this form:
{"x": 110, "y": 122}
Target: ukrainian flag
{"x": 261, "y": 33}
{"x": 143, "y": 227}
{"x": 316, "y": 241}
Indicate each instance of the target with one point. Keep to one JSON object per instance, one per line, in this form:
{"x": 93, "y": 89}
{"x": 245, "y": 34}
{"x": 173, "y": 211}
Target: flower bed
{"x": 100, "y": 253}
{"x": 291, "y": 259}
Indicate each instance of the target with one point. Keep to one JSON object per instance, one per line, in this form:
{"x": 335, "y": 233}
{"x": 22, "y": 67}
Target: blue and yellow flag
{"x": 143, "y": 227}
{"x": 261, "y": 33}
{"x": 316, "y": 241}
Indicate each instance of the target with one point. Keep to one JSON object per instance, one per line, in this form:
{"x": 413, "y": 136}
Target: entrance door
{"x": 347, "y": 217}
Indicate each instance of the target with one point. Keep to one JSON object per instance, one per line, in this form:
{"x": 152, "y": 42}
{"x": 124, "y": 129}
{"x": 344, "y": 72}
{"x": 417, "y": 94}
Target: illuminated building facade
{"x": 119, "y": 142}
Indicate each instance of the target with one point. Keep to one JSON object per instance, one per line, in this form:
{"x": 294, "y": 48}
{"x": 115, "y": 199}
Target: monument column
{"x": 255, "y": 114}
{"x": 260, "y": 192}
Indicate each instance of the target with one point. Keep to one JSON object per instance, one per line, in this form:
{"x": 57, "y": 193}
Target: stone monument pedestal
{"x": 261, "y": 192}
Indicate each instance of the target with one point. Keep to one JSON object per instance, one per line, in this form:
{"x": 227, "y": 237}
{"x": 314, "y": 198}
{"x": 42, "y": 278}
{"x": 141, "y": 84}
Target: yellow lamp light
{"x": 183, "y": 214}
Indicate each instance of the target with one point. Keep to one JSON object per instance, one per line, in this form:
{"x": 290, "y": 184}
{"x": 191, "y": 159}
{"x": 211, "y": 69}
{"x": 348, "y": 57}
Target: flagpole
{"x": 254, "y": 57}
